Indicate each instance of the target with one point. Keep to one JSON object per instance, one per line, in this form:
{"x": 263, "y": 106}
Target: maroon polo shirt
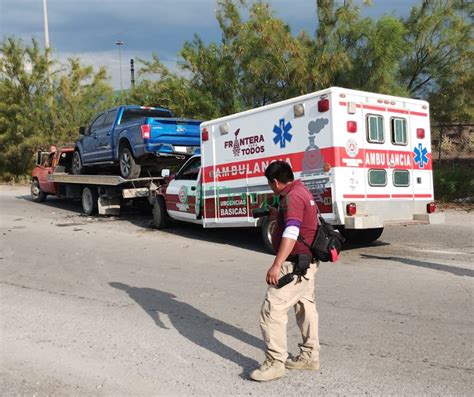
{"x": 296, "y": 204}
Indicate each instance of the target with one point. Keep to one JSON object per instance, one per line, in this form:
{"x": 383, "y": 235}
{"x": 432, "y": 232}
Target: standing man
{"x": 296, "y": 215}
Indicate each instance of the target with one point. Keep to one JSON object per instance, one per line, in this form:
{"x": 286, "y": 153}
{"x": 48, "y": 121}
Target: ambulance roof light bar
{"x": 323, "y": 105}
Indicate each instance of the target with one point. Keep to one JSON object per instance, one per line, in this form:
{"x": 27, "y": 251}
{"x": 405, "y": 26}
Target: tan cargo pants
{"x": 274, "y": 315}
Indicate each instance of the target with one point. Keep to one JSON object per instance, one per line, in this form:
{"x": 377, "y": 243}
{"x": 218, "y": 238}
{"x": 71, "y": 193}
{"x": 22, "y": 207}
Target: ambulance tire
{"x": 161, "y": 219}
{"x": 362, "y": 236}
{"x": 267, "y": 229}
{"x": 89, "y": 200}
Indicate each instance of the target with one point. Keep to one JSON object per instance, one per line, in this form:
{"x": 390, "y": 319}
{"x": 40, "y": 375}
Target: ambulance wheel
{"x": 89, "y": 201}
{"x": 362, "y": 236}
{"x": 267, "y": 229}
{"x": 36, "y": 193}
{"x": 161, "y": 218}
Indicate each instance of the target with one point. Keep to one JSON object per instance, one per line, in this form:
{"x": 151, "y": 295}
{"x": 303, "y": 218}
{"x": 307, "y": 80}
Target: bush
{"x": 453, "y": 180}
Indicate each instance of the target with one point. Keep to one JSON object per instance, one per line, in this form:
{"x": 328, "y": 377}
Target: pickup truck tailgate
{"x": 176, "y": 132}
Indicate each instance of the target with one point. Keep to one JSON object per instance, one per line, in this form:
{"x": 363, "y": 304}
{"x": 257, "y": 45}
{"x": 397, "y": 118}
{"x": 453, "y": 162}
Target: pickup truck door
{"x": 44, "y": 170}
{"x": 182, "y": 201}
{"x": 105, "y": 137}
{"x": 90, "y": 142}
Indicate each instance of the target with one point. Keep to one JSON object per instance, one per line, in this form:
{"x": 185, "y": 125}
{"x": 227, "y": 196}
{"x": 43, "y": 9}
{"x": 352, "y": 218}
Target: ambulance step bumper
{"x": 363, "y": 222}
{"x": 433, "y": 219}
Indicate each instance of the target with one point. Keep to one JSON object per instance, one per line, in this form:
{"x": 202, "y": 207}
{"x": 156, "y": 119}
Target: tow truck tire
{"x": 77, "y": 168}
{"x": 89, "y": 200}
{"x": 362, "y": 236}
{"x": 267, "y": 229}
{"x": 37, "y": 194}
{"x": 129, "y": 169}
{"x": 161, "y": 218}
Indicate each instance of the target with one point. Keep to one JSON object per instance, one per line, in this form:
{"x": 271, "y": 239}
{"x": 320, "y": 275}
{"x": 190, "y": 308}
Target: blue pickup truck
{"x": 134, "y": 137}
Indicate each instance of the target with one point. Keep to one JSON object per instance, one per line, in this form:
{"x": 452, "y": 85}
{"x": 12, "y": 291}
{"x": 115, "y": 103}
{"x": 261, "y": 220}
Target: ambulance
{"x": 365, "y": 157}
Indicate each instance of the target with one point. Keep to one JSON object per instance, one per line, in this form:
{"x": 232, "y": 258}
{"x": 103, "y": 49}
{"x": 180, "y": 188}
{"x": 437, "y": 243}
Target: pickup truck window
{"x": 110, "y": 119}
{"x": 137, "y": 114}
{"x": 97, "y": 123}
{"x": 191, "y": 172}
{"x": 49, "y": 161}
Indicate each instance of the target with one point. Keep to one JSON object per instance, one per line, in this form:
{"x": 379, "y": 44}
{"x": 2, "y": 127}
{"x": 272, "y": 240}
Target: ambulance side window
{"x": 399, "y": 131}
{"x": 375, "y": 133}
{"x": 191, "y": 171}
{"x": 401, "y": 178}
{"x": 377, "y": 177}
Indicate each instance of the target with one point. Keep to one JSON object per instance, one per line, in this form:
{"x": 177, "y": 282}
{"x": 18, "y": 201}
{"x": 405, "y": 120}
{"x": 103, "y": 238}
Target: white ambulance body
{"x": 365, "y": 157}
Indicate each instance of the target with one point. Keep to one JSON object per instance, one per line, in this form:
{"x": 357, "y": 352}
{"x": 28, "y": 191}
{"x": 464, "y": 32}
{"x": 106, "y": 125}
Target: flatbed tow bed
{"x": 103, "y": 194}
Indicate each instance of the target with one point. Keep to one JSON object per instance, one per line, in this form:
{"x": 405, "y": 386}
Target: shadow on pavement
{"x": 458, "y": 271}
{"x": 193, "y": 324}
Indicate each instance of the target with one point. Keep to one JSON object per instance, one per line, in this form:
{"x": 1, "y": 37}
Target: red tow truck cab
{"x": 56, "y": 160}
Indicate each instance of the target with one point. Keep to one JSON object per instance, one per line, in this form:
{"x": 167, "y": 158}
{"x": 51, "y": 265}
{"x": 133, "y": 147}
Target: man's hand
{"x": 273, "y": 274}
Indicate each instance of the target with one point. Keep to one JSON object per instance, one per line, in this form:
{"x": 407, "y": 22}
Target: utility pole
{"x": 132, "y": 72}
{"x": 46, "y": 40}
{"x": 119, "y": 44}
{"x": 46, "y": 29}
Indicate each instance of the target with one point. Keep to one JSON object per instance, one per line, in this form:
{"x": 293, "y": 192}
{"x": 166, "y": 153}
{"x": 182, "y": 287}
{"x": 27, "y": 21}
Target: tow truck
{"x": 102, "y": 194}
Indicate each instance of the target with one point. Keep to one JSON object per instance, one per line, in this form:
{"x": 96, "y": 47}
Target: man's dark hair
{"x": 281, "y": 171}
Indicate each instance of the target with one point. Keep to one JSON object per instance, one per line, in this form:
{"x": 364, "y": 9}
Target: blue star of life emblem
{"x": 282, "y": 133}
{"x": 421, "y": 157}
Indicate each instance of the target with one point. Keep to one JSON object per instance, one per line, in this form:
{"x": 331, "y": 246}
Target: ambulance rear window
{"x": 401, "y": 178}
{"x": 399, "y": 131}
{"x": 377, "y": 177}
{"x": 375, "y": 128}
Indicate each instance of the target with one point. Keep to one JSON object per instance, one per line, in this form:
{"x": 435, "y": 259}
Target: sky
{"x": 89, "y": 29}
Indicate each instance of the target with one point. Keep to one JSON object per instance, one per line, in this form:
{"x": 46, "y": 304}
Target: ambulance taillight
{"x": 431, "y": 207}
{"x": 351, "y": 209}
{"x": 323, "y": 105}
{"x": 205, "y": 135}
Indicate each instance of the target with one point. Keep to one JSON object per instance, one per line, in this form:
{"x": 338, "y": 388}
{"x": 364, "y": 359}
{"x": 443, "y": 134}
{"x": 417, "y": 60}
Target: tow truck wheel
{"x": 129, "y": 169}
{"x": 267, "y": 230}
{"x": 161, "y": 218}
{"x": 76, "y": 163}
{"x": 89, "y": 200}
{"x": 36, "y": 193}
{"x": 362, "y": 236}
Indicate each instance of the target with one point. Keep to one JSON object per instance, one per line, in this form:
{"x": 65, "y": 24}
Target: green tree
{"x": 42, "y": 104}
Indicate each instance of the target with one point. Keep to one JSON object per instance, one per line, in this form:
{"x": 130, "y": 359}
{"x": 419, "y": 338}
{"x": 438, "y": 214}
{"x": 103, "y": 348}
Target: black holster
{"x": 301, "y": 264}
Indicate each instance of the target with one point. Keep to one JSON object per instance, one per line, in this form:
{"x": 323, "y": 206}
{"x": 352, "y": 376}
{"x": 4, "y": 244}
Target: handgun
{"x": 286, "y": 279}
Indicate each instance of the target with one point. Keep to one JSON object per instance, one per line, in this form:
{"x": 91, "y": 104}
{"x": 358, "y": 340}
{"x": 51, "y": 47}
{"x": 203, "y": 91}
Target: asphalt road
{"x": 109, "y": 306}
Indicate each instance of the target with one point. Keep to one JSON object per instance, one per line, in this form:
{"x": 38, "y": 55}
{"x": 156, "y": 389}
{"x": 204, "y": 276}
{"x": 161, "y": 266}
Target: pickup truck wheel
{"x": 161, "y": 218}
{"x": 89, "y": 200}
{"x": 362, "y": 236}
{"x": 268, "y": 225}
{"x": 129, "y": 169}
{"x": 36, "y": 193}
{"x": 76, "y": 168}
